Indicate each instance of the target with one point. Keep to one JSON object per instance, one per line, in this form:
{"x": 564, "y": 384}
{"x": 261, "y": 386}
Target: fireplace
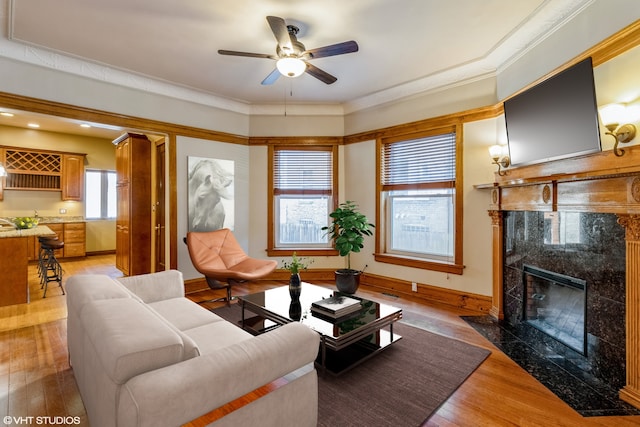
{"x": 555, "y": 304}
{"x": 589, "y": 253}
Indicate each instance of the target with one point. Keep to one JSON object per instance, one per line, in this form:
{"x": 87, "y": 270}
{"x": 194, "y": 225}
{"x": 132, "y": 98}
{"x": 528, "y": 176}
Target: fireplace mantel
{"x": 602, "y": 183}
{"x": 599, "y": 182}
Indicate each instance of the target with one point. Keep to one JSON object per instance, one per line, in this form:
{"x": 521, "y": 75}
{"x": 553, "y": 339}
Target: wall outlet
{"x": 414, "y": 287}
{"x": 62, "y": 211}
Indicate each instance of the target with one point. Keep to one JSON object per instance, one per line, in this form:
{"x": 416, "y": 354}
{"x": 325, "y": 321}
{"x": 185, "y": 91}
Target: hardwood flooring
{"x": 36, "y": 380}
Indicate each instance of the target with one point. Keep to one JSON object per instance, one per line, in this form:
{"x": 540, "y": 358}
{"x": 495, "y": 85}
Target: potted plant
{"x": 348, "y": 230}
{"x": 295, "y": 266}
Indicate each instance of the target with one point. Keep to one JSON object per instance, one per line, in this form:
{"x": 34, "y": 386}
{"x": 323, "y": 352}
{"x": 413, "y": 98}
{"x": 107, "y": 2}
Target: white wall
{"x": 599, "y": 20}
{"x": 56, "y": 85}
{"x": 295, "y": 125}
{"x": 452, "y": 99}
{"x": 239, "y": 154}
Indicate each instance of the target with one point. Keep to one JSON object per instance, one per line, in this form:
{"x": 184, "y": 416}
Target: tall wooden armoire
{"x": 134, "y": 213}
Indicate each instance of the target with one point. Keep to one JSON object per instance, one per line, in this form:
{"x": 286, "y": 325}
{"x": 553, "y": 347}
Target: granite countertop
{"x": 60, "y": 219}
{"x": 40, "y": 230}
{"x": 54, "y": 219}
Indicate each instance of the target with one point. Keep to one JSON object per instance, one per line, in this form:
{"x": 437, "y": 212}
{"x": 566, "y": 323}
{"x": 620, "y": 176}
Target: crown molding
{"x": 550, "y": 16}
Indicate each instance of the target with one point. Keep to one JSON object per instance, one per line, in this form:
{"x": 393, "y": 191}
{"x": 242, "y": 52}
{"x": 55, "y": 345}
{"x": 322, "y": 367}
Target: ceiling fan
{"x": 291, "y": 55}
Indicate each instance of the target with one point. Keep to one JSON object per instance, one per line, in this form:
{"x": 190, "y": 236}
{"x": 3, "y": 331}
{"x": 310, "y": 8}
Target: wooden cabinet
{"x": 75, "y": 237}
{"x": 13, "y": 262}
{"x": 72, "y": 177}
{"x": 31, "y": 169}
{"x": 133, "y": 192}
{"x": 73, "y": 234}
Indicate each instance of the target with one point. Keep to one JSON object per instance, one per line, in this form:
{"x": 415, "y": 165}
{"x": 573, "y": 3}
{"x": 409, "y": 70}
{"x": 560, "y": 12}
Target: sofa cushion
{"x": 129, "y": 339}
{"x": 88, "y": 287}
{"x": 215, "y": 336}
{"x": 155, "y": 286}
{"x": 183, "y": 313}
{"x": 190, "y": 347}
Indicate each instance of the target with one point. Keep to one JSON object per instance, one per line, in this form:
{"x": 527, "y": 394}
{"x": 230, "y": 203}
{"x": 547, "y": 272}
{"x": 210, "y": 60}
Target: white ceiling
{"x": 405, "y": 46}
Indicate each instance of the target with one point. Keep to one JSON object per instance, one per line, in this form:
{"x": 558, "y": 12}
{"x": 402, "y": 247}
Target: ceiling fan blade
{"x": 323, "y": 76}
{"x": 271, "y": 78}
{"x": 334, "y": 49}
{"x": 249, "y": 54}
{"x": 281, "y": 33}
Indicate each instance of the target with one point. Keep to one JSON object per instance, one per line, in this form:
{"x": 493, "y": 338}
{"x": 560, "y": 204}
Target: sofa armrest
{"x": 155, "y": 286}
{"x": 204, "y": 383}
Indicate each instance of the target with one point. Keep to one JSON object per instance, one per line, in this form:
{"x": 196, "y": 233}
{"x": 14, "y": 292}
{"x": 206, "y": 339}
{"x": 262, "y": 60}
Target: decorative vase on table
{"x": 295, "y": 310}
{"x": 295, "y": 286}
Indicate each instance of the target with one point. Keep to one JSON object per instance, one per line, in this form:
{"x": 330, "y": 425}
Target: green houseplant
{"x": 295, "y": 266}
{"x": 348, "y": 229}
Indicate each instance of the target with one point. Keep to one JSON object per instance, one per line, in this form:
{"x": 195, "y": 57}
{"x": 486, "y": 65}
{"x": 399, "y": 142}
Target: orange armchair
{"x": 220, "y": 258}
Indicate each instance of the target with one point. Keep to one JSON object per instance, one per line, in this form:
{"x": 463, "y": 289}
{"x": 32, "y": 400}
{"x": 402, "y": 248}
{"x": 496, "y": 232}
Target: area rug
{"x": 402, "y": 386}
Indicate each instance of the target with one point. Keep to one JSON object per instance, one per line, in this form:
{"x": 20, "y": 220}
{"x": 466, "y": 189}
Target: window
{"x": 100, "y": 194}
{"x": 303, "y": 182}
{"x": 419, "y": 205}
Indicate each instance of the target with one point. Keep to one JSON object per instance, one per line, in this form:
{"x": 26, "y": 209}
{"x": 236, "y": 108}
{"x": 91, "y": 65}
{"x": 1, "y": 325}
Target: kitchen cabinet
{"x": 72, "y": 185}
{"x": 75, "y": 237}
{"x": 134, "y": 212}
{"x": 30, "y": 169}
{"x": 73, "y": 234}
{"x": 14, "y": 248}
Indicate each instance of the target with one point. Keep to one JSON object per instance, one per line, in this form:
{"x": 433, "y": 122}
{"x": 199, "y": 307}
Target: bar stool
{"x": 43, "y": 257}
{"x": 51, "y": 268}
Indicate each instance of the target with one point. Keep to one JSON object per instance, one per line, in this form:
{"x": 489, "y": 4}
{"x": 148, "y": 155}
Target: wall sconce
{"x": 3, "y": 171}
{"x": 611, "y": 116}
{"x": 500, "y": 156}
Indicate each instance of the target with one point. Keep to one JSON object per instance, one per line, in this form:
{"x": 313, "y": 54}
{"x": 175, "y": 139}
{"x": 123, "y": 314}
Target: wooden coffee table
{"x": 345, "y": 342}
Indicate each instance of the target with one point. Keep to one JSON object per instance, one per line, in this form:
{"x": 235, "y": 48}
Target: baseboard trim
{"x": 106, "y": 252}
{"x": 402, "y": 288}
{"x": 469, "y": 301}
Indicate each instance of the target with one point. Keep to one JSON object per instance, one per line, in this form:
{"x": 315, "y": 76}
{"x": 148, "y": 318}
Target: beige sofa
{"x": 144, "y": 355}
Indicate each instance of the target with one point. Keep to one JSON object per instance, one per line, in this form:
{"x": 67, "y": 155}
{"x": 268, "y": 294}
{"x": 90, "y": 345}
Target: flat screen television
{"x": 557, "y": 118}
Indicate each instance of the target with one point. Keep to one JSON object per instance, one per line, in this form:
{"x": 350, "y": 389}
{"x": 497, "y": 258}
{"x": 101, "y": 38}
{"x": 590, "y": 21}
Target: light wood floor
{"x": 36, "y": 380}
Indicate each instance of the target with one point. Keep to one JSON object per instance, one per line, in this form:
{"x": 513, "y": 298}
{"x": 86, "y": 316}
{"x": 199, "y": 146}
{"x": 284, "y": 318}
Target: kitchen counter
{"x": 40, "y": 230}
{"x": 55, "y": 219}
{"x": 14, "y": 288}
{"x": 60, "y": 219}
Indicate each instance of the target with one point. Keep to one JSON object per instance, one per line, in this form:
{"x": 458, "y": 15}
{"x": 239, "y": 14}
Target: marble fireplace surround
{"x": 596, "y": 255}
{"x": 606, "y": 189}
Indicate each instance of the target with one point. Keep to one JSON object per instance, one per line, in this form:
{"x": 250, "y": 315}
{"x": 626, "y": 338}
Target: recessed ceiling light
{"x": 4, "y": 113}
{"x": 33, "y": 125}
{"x": 85, "y": 125}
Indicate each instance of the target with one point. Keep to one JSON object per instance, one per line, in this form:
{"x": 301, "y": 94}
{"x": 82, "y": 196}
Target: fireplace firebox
{"x": 556, "y": 304}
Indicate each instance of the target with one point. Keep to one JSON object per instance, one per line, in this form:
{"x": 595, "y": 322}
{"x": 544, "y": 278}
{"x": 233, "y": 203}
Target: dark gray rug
{"x": 402, "y": 386}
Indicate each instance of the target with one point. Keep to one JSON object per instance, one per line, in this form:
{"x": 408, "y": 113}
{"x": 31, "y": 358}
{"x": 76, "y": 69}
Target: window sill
{"x": 420, "y": 263}
{"x": 302, "y": 252}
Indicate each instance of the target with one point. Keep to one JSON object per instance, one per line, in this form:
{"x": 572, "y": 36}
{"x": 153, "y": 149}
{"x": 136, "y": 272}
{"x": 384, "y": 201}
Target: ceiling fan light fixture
{"x": 290, "y": 66}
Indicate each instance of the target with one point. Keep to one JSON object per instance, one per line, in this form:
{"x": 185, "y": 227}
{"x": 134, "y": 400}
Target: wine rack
{"x": 32, "y": 170}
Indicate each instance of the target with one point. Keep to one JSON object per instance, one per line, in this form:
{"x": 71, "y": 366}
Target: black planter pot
{"x": 348, "y": 280}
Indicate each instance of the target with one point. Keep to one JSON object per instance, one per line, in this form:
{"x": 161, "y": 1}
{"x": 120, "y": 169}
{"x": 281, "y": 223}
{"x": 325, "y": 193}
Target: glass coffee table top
{"x": 346, "y": 341}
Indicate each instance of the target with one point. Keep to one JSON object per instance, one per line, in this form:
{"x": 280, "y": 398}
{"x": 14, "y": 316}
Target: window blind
{"x": 419, "y": 161}
{"x": 303, "y": 172}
